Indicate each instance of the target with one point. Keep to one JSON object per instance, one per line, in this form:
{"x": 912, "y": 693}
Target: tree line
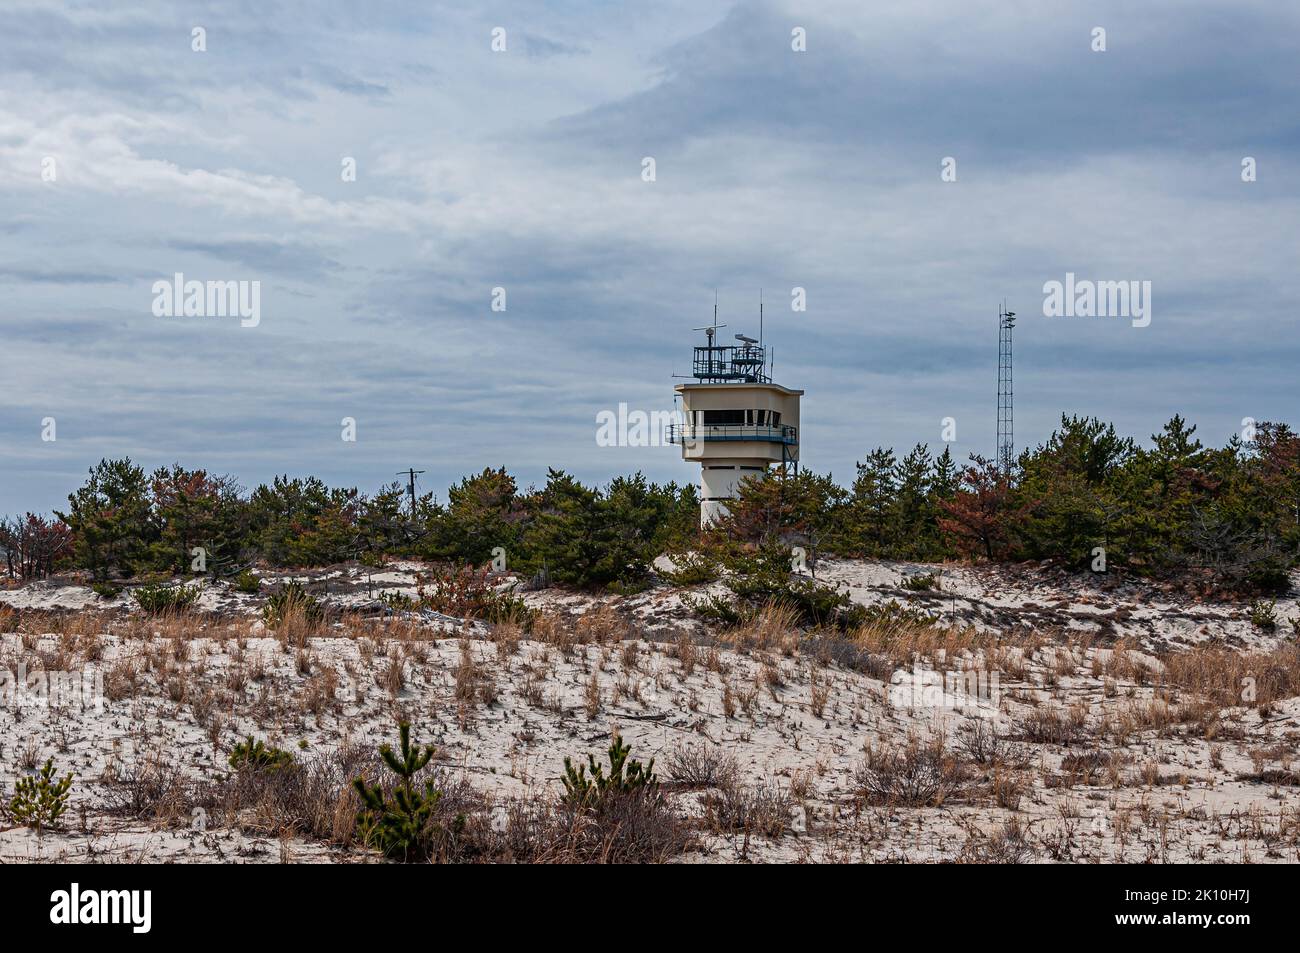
{"x": 1084, "y": 498}
{"x": 124, "y": 523}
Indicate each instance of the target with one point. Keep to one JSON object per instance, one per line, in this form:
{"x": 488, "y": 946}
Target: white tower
{"x": 735, "y": 422}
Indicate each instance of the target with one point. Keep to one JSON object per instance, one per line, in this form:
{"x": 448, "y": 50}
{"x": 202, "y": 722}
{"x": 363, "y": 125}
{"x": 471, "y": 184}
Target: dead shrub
{"x": 1007, "y": 845}
{"x": 147, "y": 788}
{"x": 701, "y": 765}
{"x": 763, "y": 809}
{"x": 1280, "y": 779}
{"x": 1089, "y": 768}
{"x": 1047, "y": 726}
{"x": 983, "y": 743}
{"x": 636, "y": 827}
{"x": 919, "y": 774}
{"x": 311, "y": 798}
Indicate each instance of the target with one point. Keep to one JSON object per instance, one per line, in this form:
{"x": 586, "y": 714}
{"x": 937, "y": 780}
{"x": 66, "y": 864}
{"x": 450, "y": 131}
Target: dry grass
{"x": 591, "y": 696}
{"x": 601, "y": 625}
{"x": 772, "y": 627}
{"x": 474, "y": 683}
{"x": 1049, "y": 726}
{"x": 820, "y": 691}
{"x": 1232, "y": 678}
{"x": 297, "y": 624}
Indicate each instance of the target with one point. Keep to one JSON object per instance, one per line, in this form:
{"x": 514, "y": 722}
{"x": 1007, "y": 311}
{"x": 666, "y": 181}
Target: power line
{"x": 411, "y": 474}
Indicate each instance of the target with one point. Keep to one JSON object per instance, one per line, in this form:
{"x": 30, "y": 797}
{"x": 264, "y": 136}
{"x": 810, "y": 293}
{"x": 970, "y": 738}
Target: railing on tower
{"x": 744, "y": 363}
{"x": 687, "y": 433}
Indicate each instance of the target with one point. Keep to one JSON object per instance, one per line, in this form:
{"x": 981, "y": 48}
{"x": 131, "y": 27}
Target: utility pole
{"x": 411, "y": 474}
{"x": 1006, "y": 416}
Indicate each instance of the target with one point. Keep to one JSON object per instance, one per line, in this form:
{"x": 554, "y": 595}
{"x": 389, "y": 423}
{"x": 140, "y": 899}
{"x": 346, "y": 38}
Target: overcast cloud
{"x": 522, "y": 169}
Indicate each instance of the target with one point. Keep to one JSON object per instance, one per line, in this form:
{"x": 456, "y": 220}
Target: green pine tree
{"x": 401, "y": 827}
{"x": 40, "y": 801}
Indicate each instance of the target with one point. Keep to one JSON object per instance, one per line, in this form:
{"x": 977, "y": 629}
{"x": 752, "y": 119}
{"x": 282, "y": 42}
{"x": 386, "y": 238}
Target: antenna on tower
{"x": 760, "y": 317}
{"x": 1006, "y": 392}
{"x": 711, "y": 332}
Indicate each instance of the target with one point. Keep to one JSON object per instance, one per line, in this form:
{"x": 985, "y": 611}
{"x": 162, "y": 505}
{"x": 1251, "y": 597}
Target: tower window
{"x": 723, "y": 418}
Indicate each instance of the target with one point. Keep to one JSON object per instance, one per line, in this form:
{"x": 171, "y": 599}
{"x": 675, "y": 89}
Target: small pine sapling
{"x": 625, "y": 777}
{"x": 253, "y": 755}
{"x": 289, "y": 601}
{"x": 401, "y": 828}
{"x": 40, "y": 801}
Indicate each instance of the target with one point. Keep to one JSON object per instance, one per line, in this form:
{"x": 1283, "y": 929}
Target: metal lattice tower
{"x": 1006, "y": 416}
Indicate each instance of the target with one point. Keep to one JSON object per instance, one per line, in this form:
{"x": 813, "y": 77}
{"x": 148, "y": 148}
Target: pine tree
{"x": 874, "y": 493}
{"x": 110, "y": 519}
{"x": 484, "y": 511}
{"x": 193, "y": 509}
{"x": 567, "y": 533}
{"x": 384, "y": 525}
{"x": 40, "y": 801}
{"x": 943, "y": 479}
{"x": 914, "y": 519}
{"x": 402, "y": 827}
{"x": 599, "y": 789}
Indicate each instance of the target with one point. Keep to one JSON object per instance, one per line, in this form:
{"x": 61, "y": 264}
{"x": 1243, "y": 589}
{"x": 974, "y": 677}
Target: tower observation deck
{"x": 736, "y": 423}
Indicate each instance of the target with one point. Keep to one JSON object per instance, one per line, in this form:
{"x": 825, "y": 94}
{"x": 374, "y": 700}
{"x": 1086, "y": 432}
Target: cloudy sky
{"x": 522, "y": 169}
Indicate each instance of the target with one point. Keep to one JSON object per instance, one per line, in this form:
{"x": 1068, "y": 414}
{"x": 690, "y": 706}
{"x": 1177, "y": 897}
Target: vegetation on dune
{"x": 34, "y": 546}
{"x": 40, "y": 800}
{"x": 1085, "y": 498}
{"x": 291, "y": 602}
{"x": 251, "y": 755}
{"x": 401, "y": 824}
{"x": 467, "y": 592}
{"x": 157, "y": 600}
{"x": 122, "y": 523}
{"x": 595, "y": 790}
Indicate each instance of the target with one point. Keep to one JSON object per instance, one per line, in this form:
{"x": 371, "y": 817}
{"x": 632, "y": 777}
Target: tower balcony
{"x": 686, "y": 434}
